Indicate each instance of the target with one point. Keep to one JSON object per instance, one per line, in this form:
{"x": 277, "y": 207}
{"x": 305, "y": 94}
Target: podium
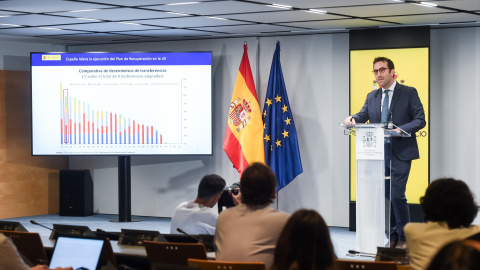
{"x": 373, "y": 188}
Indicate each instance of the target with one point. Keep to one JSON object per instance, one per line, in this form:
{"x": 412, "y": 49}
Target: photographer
{"x": 197, "y": 217}
{"x": 231, "y": 196}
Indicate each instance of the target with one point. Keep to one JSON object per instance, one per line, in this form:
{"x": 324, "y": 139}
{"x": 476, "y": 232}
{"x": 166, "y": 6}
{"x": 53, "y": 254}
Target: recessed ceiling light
{"x": 317, "y": 11}
{"x": 178, "y": 13}
{"x": 88, "y": 19}
{"x": 84, "y": 10}
{"x": 217, "y": 18}
{"x": 8, "y": 24}
{"x": 427, "y": 4}
{"x": 184, "y": 3}
{"x": 280, "y": 6}
{"x": 129, "y": 23}
{"x": 49, "y": 28}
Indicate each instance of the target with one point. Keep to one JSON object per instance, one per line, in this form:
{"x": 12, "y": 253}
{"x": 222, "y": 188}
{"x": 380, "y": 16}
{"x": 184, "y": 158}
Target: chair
{"x": 216, "y": 265}
{"x": 29, "y": 245}
{"x": 365, "y": 265}
{"x": 159, "y": 253}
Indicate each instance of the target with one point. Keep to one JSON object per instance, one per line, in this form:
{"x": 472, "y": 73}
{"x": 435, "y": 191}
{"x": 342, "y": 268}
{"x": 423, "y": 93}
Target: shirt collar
{"x": 391, "y": 87}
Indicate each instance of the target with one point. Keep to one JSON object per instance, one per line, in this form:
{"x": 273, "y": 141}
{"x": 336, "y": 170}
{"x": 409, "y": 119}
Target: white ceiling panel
{"x": 282, "y": 16}
{"x": 337, "y": 24}
{"x": 108, "y": 27}
{"x": 37, "y": 20}
{"x": 433, "y": 19}
{"x": 326, "y": 3}
{"x": 460, "y": 4}
{"x": 216, "y": 7}
{"x": 117, "y": 14}
{"x": 188, "y": 22}
{"x": 389, "y": 10}
{"x": 250, "y": 29}
{"x": 171, "y": 33}
{"x": 97, "y": 37}
{"x": 46, "y": 5}
{"x": 35, "y": 31}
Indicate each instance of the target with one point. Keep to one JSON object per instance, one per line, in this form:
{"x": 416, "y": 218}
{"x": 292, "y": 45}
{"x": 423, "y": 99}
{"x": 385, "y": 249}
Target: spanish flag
{"x": 243, "y": 141}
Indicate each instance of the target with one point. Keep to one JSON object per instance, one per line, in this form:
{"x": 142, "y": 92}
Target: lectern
{"x": 373, "y": 190}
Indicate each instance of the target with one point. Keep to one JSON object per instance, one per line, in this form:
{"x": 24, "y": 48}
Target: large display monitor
{"x": 136, "y": 103}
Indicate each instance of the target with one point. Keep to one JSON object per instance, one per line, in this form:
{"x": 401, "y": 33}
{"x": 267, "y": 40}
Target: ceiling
{"x": 75, "y": 22}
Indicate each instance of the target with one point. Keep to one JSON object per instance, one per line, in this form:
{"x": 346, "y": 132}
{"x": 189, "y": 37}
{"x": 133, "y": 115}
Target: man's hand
{"x": 349, "y": 121}
{"x": 237, "y": 199}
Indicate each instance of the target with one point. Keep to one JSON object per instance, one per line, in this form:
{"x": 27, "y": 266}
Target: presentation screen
{"x": 148, "y": 103}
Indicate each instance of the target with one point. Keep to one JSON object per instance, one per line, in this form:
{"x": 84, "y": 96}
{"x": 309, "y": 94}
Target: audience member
{"x": 198, "y": 217}
{"x": 457, "y": 255}
{"x": 304, "y": 244}
{"x": 249, "y": 232}
{"x": 449, "y": 209}
{"x": 10, "y": 259}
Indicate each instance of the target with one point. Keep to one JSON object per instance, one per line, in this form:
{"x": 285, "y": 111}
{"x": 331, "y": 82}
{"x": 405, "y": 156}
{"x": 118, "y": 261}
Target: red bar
{"x": 161, "y": 138}
{"x": 88, "y": 126}
{"x": 151, "y": 132}
{"x": 128, "y": 130}
{"x": 143, "y": 134}
{"x": 111, "y": 125}
{"x": 133, "y": 127}
{"x": 93, "y": 132}
{"x": 79, "y": 131}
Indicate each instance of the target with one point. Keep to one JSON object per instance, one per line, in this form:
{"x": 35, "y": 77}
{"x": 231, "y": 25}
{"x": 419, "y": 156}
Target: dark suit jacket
{"x": 406, "y": 111}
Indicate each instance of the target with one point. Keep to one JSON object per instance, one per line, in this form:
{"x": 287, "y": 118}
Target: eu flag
{"x": 280, "y": 137}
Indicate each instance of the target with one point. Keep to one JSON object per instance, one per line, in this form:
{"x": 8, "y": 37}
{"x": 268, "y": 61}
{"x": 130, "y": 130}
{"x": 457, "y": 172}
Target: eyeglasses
{"x": 380, "y": 70}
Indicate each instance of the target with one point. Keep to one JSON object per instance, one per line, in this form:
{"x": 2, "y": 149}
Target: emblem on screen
{"x": 369, "y": 139}
{"x": 51, "y": 57}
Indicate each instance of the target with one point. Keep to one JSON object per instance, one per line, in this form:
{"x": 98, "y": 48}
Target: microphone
{"x": 381, "y": 257}
{"x": 362, "y": 253}
{"x": 36, "y": 223}
{"x": 196, "y": 238}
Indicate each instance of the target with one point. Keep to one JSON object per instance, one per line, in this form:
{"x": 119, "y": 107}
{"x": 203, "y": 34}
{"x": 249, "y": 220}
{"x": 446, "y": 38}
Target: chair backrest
{"x": 173, "y": 253}
{"x": 215, "y": 265}
{"x": 365, "y": 265}
{"x": 29, "y": 245}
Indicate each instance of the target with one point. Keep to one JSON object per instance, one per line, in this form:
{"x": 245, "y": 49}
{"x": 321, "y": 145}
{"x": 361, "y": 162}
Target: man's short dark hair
{"x": 210, "y": 185}
{"x": 384, "y": 59}
{"x": 258, "y": 185}
{"x": 451, "y": 201}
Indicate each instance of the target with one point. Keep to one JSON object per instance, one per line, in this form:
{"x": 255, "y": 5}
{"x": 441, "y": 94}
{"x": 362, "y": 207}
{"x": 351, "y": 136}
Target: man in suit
{"x": 405, "y": 109}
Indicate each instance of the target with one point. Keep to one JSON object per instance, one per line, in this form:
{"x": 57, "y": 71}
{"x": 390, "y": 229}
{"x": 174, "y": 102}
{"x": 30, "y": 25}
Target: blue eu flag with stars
{"x": 280, "y": 137}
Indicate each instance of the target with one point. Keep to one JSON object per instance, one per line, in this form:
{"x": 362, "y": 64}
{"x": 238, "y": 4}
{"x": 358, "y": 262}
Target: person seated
{"x": 197, "y": 217}
{"x": 457, "y": 255}
{"x": 249, "y": 232}
{"x": 449, "y": 208}
{"x": 10, "y": 259}
{"x": 304, "y": 244}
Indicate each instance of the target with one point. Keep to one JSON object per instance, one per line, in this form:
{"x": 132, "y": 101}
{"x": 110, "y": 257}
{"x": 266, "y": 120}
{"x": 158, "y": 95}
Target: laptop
{"x": 83, "y": 253}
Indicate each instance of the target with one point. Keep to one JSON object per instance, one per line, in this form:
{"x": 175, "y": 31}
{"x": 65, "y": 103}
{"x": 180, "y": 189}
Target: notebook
{"x": 76, "y": 253}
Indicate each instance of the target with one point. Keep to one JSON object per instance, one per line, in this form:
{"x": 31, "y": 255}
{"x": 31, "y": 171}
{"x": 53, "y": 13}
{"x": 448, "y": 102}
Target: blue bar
{"x": 121, "y": 59}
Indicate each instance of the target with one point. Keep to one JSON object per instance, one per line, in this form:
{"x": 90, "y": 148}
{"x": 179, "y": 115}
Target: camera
{"x": 235, "y": 188}
{"x": 226, "y": 199}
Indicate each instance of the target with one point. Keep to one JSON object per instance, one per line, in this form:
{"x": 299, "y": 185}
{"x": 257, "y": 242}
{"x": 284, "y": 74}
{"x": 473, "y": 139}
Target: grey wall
{"x": 319, "y": 100}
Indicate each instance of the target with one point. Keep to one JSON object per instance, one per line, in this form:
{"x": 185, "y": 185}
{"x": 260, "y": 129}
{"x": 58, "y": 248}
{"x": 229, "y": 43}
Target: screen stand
{"x": 124, "y": 190}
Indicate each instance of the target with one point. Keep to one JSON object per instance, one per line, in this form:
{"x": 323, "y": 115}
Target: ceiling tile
{"x": 326, "y": 3}
{"x": 216, "y": 7}
{"x": 463, "y": 5}
{"x": 338, "y": 24}
{"x": 46, "y": 5}
{"x": 194, "y": 21}
{"x": 250, "y": 29}
{"x": 108, "y": 27}
{"x": 432, "y": 18}
{"x": 395, "y": 9}
{"x": 34, "y": 31}
{"x": 117, "y": 14}
{"x": 282, "y": 16}
{"x": 37, "y": 20}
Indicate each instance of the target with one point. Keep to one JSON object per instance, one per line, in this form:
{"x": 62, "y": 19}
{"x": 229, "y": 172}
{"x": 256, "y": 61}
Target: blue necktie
{"x": 385, "y": 107}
